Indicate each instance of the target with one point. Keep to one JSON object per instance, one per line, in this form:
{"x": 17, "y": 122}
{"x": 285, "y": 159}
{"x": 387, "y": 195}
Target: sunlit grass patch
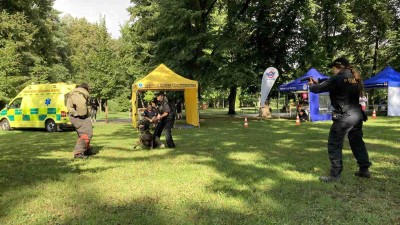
{"x": 220, "y": 173}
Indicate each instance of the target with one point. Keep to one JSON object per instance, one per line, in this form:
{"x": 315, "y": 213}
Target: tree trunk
{"x": 106, "y": 117}
{"x": 374, "y": 67}
{"x": 100, "y": 105}
{"x": 232, "y": 99}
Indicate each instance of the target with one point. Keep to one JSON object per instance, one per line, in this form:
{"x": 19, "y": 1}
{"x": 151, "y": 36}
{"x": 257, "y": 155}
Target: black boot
{"x": 89, "y": 152}
{"x": 334, "y": 175}
{"x": 363, "y": 172}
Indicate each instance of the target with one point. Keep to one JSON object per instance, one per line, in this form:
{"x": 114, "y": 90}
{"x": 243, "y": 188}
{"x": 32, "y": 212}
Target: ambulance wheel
{"x": 5, "y": 125}
{"x": 51, "y": 126}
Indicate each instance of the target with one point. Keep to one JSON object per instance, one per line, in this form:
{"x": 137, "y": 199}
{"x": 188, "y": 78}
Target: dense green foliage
{"x": 227, "y": 45}
{"x": 224, "y": 44}
{"x": 37, "y": 46}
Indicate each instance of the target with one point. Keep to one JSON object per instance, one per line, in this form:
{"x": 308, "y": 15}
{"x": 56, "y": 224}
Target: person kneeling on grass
{"x": 150, "y": 114}
{"x": 303, "y": 116}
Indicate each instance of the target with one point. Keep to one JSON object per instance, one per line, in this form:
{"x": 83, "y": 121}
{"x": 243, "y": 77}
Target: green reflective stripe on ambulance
{"x": 26, "y": 118}
{"x": 3, "y": 112}
{"x": 17, "y": 112}
{"x": 11, "y": 117}
{"x": 34, "y": 111}
{"x": 58, "y": 117}
{"x": 42, "y": 117}
{"x": 51, "y": 111}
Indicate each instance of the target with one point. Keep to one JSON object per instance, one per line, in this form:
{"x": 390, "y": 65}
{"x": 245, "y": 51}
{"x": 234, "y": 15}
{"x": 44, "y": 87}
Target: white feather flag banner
{"x": 268, "y": 80}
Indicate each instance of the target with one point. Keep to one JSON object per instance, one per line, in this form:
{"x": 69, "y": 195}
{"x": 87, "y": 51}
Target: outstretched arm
{"x": 325, "y": 86}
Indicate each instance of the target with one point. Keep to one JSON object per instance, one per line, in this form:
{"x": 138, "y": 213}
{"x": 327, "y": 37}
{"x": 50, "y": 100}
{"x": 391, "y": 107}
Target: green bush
{"x": 113, "y": 106}
{"x": 119, "y": 104}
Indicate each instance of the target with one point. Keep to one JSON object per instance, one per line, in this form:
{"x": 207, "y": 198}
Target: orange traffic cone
{"x": 373, "y": 114}
{"x": 297, "y": 120}
{"x": 246, "y": 124}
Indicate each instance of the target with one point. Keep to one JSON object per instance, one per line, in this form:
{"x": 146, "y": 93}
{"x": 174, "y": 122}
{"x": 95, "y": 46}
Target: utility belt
{"x": 345, "y": 108}
{"x": 337, "y": 114}
{"x": 342, "y": 112}
{"x": 81, "y": 117}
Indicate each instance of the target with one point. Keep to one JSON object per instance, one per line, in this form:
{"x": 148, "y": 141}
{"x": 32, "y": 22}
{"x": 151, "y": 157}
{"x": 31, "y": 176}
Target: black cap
{"x": 340, "y": 62}
{"x": 160, "y": 93}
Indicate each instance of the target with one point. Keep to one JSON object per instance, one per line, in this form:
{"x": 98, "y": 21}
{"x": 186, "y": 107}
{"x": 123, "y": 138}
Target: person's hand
{"x": 158, "y": 117}
{"x": 312, "y": 81}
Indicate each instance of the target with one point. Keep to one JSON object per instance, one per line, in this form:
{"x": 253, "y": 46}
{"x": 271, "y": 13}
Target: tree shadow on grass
{"x": 279, "y": 153}
{"x": 29, "y": 158}
{"x": 260, "y": 167}
{"x": 140, "y": 210}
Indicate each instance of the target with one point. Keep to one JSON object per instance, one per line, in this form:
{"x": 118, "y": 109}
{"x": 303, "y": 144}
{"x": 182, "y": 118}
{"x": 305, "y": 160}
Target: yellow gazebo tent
{"x": 164, "y": 79}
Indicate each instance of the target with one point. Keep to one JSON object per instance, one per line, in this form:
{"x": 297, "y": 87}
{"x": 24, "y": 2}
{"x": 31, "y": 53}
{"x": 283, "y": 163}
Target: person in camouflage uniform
{"x": 77, "y": 104}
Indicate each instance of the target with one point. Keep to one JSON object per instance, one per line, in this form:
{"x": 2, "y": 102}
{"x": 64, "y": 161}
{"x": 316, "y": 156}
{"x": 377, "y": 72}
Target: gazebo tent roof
{"x": 164, "y": 79}
{"x": 386, "y": 77}
{"x": 297, "y": 85}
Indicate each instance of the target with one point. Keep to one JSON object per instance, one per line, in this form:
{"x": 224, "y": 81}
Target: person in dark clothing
{"x": 94, "y": 105}
{"x": 150, "y": 114}
{"x": 179, "y": 110}
{"x": 303, "y": 116}
{"x": 344, "y": 89}
{"x": 166, "y": 118}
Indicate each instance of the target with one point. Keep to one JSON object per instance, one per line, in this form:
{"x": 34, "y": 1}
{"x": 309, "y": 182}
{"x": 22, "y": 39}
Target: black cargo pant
{"x": 167, "y": 124}
{"x": 348, "y": 123}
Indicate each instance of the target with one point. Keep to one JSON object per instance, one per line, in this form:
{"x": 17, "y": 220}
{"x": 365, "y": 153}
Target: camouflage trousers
{"x": 85, "y": 133}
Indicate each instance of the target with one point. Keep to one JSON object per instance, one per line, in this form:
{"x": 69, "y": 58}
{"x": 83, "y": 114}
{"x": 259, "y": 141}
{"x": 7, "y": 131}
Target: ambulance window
{"x": 16, "y": 104}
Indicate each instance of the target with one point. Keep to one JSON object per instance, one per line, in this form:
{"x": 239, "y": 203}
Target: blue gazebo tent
{"x": 387, "y": 77}
{"x": 390, "y": 79}
{"x": 302, "y": 86}
{"x": 297, "y": 85}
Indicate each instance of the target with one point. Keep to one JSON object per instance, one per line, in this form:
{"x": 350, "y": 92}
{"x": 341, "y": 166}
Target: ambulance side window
{"x": 16, "y": 104}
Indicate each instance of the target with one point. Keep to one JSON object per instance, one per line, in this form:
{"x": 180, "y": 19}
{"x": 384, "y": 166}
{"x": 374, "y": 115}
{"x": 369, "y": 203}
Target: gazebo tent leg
{"x": 279, "y": 111}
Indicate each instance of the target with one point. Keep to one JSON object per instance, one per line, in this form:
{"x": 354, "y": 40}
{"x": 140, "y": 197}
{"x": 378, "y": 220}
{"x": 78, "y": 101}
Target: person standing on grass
{"x": 94, "y": 105}
{"x": 363, "y": 102}
{"x": 345, "y": 88}
{"x": 166, "y": 118}
{"x": 77, "y": 104}
{"x": 178, "y": 110}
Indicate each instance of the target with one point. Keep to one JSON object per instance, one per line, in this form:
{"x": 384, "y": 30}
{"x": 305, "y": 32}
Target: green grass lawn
{"x": 220, "y": 173}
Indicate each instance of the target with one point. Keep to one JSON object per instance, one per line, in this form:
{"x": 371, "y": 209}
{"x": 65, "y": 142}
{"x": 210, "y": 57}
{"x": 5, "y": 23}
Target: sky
{"x": 114, "y": 11}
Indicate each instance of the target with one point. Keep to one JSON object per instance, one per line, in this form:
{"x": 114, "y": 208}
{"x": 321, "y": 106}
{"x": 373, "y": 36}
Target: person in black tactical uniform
{"x": 166, "y": 118}
{"x": 344, "y": 89}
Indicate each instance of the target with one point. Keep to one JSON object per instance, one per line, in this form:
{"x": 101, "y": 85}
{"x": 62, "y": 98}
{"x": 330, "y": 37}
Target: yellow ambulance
{"x": 38, "y": 106}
